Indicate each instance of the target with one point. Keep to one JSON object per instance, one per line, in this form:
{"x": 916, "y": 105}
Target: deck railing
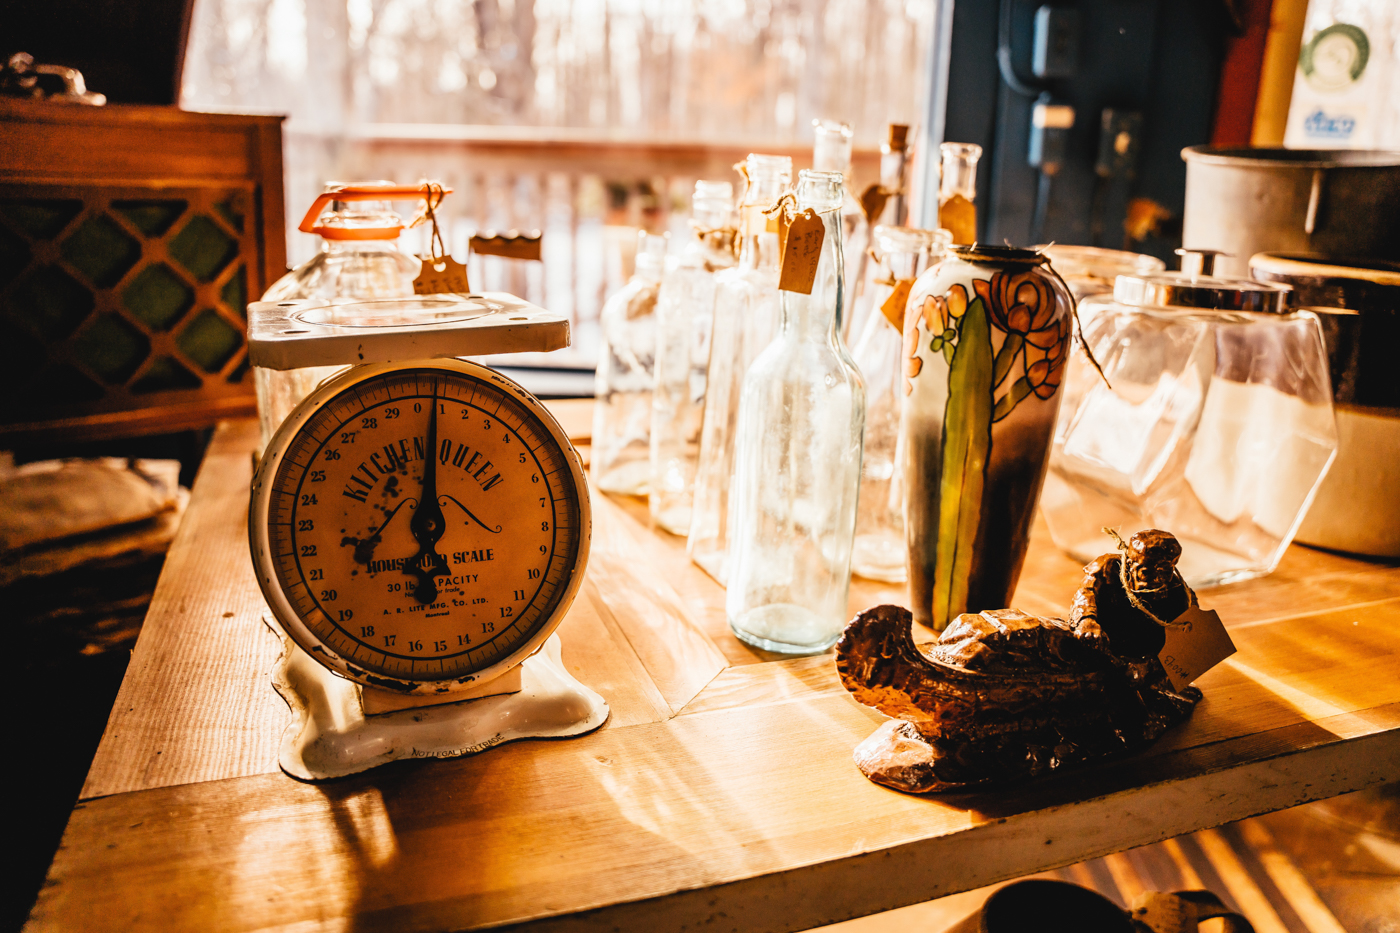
{"x": 587, "y": 193}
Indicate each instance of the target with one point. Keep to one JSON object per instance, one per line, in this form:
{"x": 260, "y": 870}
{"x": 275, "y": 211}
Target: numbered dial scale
{"x": 421, "y": 525}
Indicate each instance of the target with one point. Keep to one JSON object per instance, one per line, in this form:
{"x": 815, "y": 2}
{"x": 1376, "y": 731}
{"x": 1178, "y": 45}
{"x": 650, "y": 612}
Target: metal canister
{"x": 1357, "y": 507}
{"x": 1342, "y": 202}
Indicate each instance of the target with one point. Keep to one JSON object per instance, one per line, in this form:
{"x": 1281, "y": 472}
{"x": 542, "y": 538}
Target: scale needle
{"x": 428, "y": 524}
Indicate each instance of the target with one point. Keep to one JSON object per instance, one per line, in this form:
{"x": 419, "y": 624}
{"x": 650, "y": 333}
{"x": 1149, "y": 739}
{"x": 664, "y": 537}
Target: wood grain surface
{"x": 720, "y": 794}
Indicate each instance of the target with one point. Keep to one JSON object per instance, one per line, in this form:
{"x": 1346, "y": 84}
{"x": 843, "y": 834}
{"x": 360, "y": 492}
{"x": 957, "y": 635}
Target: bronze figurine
{"x": 1003, "y": 696}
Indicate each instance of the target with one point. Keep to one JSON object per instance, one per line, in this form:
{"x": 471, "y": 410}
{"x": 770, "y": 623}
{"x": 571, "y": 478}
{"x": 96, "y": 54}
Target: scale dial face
{"x": 420, "y": 527}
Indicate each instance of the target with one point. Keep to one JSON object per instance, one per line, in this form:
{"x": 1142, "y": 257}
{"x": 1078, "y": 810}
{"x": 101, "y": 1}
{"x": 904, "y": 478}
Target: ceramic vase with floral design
{"x": 986, "y": 336}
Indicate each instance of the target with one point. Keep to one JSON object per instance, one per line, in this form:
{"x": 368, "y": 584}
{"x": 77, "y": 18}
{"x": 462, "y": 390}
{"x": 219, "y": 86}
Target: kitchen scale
{"x": 419, "y": 526}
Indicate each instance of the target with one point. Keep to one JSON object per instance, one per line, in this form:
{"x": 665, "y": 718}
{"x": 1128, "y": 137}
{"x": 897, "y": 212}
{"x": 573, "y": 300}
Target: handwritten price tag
{"x": 450, "y": 278}
{"x": 1194, "y": 647}
{"x": 872, "y": 202}
{"x": 893, "y": 308}
{"x": 801, "y": 249}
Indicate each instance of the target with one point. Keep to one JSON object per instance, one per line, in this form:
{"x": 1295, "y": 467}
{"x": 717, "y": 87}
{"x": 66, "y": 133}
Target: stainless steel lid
{"x": 1198, "y": 289}
{"x": 1177, "y": 290}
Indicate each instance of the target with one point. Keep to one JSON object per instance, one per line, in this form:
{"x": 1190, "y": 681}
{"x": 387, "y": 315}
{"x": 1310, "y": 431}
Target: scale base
{"x": 331, "y": 736}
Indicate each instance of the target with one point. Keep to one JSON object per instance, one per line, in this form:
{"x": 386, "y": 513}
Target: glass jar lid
{"x": 1200, "y": 292}
{"x": 1198, "y": 289}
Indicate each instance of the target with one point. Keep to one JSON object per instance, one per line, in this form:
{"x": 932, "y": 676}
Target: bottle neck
{"x": 710, "y": 215}
{"x": 892, "y": 166}
{"x": 958, "y": 171}
{"x": 759, "y": 251}
{"x": 831, "y": 152}
{"x": 648, "y": 270}
{"x": 816, "y": 317}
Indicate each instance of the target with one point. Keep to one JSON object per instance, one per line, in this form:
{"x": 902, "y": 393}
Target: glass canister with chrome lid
{"x": 1213, "y": 420}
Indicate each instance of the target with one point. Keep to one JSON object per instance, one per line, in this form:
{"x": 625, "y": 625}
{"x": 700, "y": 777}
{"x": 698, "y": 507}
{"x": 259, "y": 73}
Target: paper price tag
{"x": 451, "y": 278}
{"x": 893, "y": 308}
{"x": 801, "y": 249}
{"x": 1195, "y": 647}
{"x": 872, "y": 202}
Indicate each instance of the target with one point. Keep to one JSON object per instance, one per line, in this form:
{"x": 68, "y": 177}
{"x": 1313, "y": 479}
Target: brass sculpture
{"x": 1004, "y": 696}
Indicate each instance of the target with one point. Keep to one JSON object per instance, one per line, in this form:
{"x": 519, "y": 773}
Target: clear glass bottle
{"x": 797, "y": 461}
{"x": 745, "y": 322}
{"x": 831, "y": 152}
{"x": 684, "y": 320}
{"x": 860, "y": 270}
{"x": 957, "y": 190}
{"x": 1215, "y": 423}
{"x": 626, "y": 376}
{"x": 894, "y": 159}
{"x": 880, "y": 549}
{"x": 359, "y": 258}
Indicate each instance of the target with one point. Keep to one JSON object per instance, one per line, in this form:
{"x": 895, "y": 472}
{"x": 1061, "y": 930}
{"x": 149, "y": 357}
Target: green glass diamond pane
{"x": 165, "y": 374}
{"x": 203, "y": 248}
{"x": 101, "y": 251}
{"x": 231, "y": 209}
{"x": 50, "y": 302}
{"x": 14, "y": 256}
{"x": 40, "y": 219}
{"x": 209, "y": 340}
{"x": 235, "y": 292}
{"x": 152, "y": 218}
{"x": 111, "y": 348}
{"x": 158, "y": 296}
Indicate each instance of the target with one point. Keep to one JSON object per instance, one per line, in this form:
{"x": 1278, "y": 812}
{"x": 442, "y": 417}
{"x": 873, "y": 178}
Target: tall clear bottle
{"x": 904, "y": 252}
{"x": 797, "y": 461}
{"x": 890, "y": 209}
{"x": 957, "y": 190}
{"x": 684, "y": 320}
{"x": 831, "y": 152}
{"x": 626, "y": 376}
{"x": 745, "y": 322}
{"x": 894, "y": 160}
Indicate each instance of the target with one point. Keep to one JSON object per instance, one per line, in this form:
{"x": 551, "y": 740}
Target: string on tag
{"x": 879, "y": 261}
{"x": 1074, "y": 313}
{"x": 432, "y": 198}
{"x": 800, "y": 237}
{"x": 1132, "y": 594}
{"x": 439, "y": 272}
{"x": 743, "y": 169}
{"x": 721, "y": 239}
{"x": 783, "y": 208}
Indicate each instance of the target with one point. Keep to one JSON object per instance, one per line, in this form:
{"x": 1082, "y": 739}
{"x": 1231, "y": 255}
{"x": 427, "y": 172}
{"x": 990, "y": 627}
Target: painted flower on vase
{"x": 941, "y": 317}
{"x": 1023, "y": 307}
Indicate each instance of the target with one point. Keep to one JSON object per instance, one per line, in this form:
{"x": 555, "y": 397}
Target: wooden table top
{"x": 720, "y": 794}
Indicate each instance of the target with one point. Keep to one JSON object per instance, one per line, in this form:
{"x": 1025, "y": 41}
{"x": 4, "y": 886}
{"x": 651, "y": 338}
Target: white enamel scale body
{"x": 419, "y": 528}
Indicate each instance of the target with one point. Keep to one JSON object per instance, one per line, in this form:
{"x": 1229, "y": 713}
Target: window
{"x": 581, "y": 118}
